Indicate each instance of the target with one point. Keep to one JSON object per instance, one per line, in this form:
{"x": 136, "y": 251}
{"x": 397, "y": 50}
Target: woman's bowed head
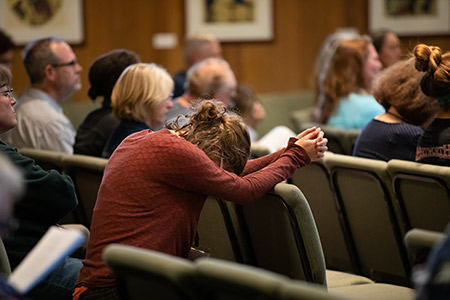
{"x": 223, "y": 136}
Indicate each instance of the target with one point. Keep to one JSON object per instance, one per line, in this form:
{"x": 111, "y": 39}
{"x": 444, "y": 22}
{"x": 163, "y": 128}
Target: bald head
{"x": 212, "y": 78}
{"x": 201, "y": 46}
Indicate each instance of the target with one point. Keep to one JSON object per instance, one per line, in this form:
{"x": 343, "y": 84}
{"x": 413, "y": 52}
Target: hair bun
{"x": 210, "y": 111}
{"x": 428, "y": 58}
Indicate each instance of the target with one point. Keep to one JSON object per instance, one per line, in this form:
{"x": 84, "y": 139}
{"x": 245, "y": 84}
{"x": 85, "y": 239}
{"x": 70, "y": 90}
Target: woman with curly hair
{"x": 434, "y": 145}
{"x": 155, "y": 185}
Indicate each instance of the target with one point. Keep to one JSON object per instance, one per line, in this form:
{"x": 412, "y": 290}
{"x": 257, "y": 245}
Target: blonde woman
{"x": 140, "y": 99}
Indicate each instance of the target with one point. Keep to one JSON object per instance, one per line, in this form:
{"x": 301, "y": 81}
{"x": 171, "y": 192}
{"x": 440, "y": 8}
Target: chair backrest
{"x": 5, "y": 267}
{"x": 366, "y": 206}
{"x": 147, "y": 274}
{"x": 46, "y": 159}
{"x": 226, "y": 280}
{"x": 314, "y": 182}
{"x": 419, "y": 243}
{"x": 423, "y": 194}
{"x": 216, "y": 232}
{"x": 258, "y": 150}
{"x": 86, "y": 173}
{"x": 282, "y": 234}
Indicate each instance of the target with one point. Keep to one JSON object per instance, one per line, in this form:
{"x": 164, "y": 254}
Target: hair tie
{"x": 443, "y": 100}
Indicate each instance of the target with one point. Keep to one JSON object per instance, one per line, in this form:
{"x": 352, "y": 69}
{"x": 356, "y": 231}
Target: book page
{"x": 54, "y": 246}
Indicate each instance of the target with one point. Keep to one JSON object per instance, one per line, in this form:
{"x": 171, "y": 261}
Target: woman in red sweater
{"x": 155, "y": 185}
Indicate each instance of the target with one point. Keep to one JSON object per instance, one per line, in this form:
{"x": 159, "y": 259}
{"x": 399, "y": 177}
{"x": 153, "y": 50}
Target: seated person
{"x": 395, "y": 133}
{"x": 154, "y": 200}
{"x": 140, "y": 99}
{"x": 250, "y": 108}
{"x": 434, "y": 144}
{"x": 211, "y": 78}
{"x": 49, "y": 196}
{"x": 94, "y": 131}
{"x": 387, "y": 44}
{"x": 343, "y": 98}
{"x": 11, "y": 188}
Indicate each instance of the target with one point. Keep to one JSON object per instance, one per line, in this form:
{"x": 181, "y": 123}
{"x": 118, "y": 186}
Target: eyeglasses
{"x": 9, "y": 93}
{"x": 69, "y": 64}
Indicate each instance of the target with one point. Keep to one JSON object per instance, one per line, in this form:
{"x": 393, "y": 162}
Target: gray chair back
{"x": 5, "y": 267}
{"x": 145, "y": 274}
{"x": 366, "y": 207}
{"x": 423, "y": 194}
{"x": 86, "y": 173}
{"x": 282, "y": 235}
{"x": 314, "y": 182}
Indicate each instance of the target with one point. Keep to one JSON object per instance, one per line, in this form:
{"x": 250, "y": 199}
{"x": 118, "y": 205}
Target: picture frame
{"x": 248, "y": 20}
{"x": 405, "y": 19}
{"x": 23, "y": 22}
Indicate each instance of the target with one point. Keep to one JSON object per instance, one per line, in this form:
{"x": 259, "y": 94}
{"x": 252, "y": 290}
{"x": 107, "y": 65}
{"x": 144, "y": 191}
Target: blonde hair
{"x": 140, "y": 86}
{"x": 221, "y": 134}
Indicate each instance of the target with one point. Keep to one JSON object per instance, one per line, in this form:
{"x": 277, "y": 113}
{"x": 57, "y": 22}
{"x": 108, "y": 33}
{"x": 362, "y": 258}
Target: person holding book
{"x": 49, "y": 196}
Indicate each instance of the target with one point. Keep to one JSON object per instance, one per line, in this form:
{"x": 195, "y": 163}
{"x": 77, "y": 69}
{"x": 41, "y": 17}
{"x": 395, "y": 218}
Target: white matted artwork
{"x": 231, "y": 20}
{"x": 26, "y": 20}
{"x": 409, "y": 17}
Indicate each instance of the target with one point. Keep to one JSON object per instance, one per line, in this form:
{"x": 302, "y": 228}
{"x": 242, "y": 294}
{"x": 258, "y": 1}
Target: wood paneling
{"x": 282, "y": 65}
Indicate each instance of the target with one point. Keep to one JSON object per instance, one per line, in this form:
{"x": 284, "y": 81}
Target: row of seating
{"x": 86, "y": 173}
{"x": 146, "y": 274}
{"x": 364, "y": 207}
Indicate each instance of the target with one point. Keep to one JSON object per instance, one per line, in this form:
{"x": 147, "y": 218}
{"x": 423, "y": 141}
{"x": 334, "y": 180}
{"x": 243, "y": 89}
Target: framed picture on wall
{"x": 26, "y": 20}
{"x": 410, "y": 17}
{"x": 234, "y": 20}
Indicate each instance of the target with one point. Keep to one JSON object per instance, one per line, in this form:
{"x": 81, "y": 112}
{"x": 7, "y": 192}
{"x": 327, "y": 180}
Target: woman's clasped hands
{"x": 313, "y": 142}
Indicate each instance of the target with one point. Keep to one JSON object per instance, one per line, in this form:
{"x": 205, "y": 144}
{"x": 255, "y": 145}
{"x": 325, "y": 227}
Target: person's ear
{"x": 50, "y": 73}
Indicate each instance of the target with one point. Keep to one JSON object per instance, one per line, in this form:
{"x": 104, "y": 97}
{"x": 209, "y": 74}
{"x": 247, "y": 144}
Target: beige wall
{"x": 282, "y": 65}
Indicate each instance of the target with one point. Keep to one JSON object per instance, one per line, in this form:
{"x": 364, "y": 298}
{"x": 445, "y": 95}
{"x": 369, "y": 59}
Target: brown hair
{"x": 399, "y": 86}
{"x": 436, "y": 81}
{"x": 5, "y": 76}
{"x": 345, "y": 75}
{"x": 244, "y": 100}
{"x": 221, "y": 134}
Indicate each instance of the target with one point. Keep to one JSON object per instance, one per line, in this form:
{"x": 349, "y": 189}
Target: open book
{"x": 52, "y": 248}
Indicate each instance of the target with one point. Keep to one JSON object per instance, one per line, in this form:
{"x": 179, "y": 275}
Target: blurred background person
{"x": 54, "y": 74}
{"x": 249, "y": 107}
{"x": 211, "y": 78}
{"x": 387, "y": 44}
{"x": 344, "y": 101}
{"x": 434, "y": 144}
{"x": 395, "y": 133}
{"x": 97, "y": 126}
{"x": 140, "y": 99}
{"x": 197, "y": 47}
{"x": 6, "y": 50}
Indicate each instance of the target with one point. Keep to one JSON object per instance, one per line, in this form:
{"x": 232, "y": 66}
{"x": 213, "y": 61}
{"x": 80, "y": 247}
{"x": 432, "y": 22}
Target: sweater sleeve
{"x": 49, "y": 195}
{"x": 188, "y": 168}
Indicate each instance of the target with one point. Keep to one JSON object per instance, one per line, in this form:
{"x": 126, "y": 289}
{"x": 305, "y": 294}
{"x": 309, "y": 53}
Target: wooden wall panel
{"x": 282, "y": 65}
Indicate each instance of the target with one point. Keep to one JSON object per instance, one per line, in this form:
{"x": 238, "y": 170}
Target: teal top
{"x": 355, "y": 111}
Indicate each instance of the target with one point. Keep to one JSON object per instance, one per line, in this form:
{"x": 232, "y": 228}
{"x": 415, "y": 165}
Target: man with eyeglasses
{"x": 54, "y": 74}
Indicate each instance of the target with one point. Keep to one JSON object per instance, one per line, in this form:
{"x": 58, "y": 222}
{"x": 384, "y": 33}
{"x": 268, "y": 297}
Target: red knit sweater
{"x": 153, "y": 190}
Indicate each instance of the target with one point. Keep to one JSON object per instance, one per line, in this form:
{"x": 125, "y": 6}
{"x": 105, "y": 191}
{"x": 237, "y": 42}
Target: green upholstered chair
{"x": 370, "y": 220}
{"x": 423, "y": 193}
{"x": 146, "y": 274}
{"x": 314, "y": 182}
{"x": 46, "y": 159}
{"x": 86, "y": 173}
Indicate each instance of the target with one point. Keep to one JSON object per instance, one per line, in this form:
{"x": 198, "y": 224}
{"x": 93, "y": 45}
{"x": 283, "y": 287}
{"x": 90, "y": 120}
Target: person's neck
{"x": 391, "y": 116}
{"x": 48, "y": 90}
{"x": 443, "y": 113}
